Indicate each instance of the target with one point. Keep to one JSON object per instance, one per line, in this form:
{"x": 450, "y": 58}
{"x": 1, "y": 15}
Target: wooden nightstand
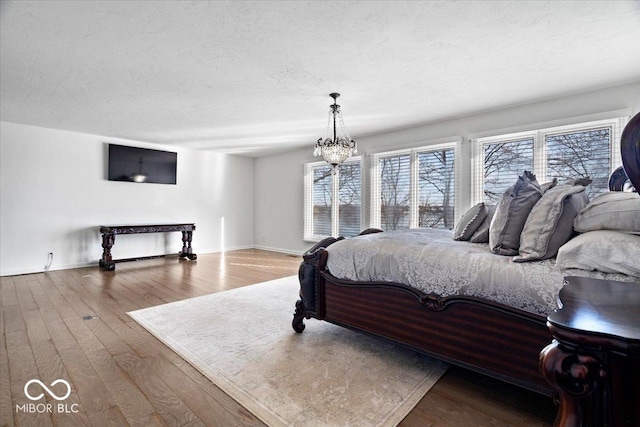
{"x": 594, "y": 361}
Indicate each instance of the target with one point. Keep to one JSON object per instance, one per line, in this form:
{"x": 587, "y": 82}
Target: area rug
{"x": 242, "y": 340}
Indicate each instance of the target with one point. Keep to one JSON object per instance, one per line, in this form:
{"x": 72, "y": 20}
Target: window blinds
{"x": 350, "y": 199}
{"x": 503, "y": 163}
{"x": 564, "y": 152}
{"x": 332, "y": 201}
{"x": 322, "y": 202}
{"x": 580, "y": 154}
{"x": 436, "y": 189}
{"x": 414, "y": 188}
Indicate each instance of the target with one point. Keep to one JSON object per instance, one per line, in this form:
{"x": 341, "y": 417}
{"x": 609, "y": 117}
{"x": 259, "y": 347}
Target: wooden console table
{"x": 109, "y": 233}
{"x": 594, "y": 361}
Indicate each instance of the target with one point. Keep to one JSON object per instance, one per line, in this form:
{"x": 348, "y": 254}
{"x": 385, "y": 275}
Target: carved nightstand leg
{"x": 575, "y": 377}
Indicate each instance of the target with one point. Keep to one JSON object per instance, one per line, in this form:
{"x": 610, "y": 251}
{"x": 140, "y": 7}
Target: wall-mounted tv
{"x": 143, "y": 165}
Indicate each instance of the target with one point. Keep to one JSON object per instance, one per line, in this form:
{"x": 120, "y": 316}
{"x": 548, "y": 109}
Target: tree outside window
{"x": 584, "y": 154}
{"x": 503, "y": 163}
{"x": 333, "y": 200}
{"x": 561, "y": 153}
{"x": 415, "y": 189}
{"x": 436, "y": 189}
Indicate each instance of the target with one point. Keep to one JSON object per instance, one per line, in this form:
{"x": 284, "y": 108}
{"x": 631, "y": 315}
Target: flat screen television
{"x": 142, "y": 165}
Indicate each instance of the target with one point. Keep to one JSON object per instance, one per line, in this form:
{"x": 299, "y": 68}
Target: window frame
{"x": 540, "y": 150}
{"x": 414, "y": 216}
{"x": 309, "y": 235}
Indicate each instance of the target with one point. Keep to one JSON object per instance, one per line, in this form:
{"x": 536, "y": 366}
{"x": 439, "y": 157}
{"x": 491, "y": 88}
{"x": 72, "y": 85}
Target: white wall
{"x": 278, "y": 202}
{"x": 278, "y": 179}
{"x": 54, "y": 195}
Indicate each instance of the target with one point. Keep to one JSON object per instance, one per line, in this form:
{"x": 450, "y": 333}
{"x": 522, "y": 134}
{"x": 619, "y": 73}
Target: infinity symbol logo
{"x": 52, "y": 394}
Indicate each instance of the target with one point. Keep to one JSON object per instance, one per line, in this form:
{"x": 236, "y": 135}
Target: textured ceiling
{"x": 253, "y": 77}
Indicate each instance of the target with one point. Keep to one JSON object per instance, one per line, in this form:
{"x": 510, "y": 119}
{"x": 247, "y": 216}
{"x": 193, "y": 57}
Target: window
{"x": 568, "y": 152}
{"x": 580, "y": 154}
{"x": 414, "y": 188}
{"x": 333, "y": 205}
{"x": 503, "y": 161}
{"x": 394, "y": 191}
{"x": 350, "y": 199}
{"x": 321, "y": 197}
{"x": 436, "y": 182}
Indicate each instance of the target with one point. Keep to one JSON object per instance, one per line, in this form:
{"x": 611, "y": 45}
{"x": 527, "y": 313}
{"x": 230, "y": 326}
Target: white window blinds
{"x": 414, "y": 188}
{"x": 350, "y": 199}
{"x": 332, "y": 201}
{"x": 436, "y": 188}
{"x": 322, "y": 200}
{"x": 394, "y": 191}
{"x": 590, "y": 149}
{"x": 503, "y": 161}
{"x": 584, "y": 153}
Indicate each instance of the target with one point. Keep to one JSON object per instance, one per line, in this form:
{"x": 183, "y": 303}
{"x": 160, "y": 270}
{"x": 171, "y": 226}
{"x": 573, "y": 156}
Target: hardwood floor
{"x": 72, "y": 324}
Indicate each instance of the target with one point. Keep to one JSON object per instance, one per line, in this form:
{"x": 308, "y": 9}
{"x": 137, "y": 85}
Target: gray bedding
{"x": 431, "y": 261}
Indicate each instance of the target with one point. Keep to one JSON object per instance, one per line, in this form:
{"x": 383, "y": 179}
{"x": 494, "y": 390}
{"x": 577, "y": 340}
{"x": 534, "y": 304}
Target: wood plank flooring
{"x": 72, "y": 324}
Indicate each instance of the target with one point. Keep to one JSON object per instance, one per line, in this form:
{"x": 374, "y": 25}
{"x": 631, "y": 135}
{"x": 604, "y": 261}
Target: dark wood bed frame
{"x": 481, "y": 335}
{"x": 488, "y": 337}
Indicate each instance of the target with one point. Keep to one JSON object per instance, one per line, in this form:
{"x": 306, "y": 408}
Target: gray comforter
{"x": 430, "y": 260}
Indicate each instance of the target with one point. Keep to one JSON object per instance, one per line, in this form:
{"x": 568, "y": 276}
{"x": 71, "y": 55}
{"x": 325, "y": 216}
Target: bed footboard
{"x": 308, "y": 275}
{"x": 311, "y": 302}
{"x": 487, "y": 337}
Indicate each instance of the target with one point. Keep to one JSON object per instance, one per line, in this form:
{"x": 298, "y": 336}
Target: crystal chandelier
{"x": 341, "y": 147}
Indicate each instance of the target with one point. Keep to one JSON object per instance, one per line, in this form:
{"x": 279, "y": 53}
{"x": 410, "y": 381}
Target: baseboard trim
{"x": 280, "y": 250}
{"x": 95, "y": 262}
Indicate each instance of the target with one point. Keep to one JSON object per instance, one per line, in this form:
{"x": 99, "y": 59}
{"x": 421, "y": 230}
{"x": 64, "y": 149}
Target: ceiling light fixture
{"x": 341, "y": 147}
{"x": 139, "y": 176}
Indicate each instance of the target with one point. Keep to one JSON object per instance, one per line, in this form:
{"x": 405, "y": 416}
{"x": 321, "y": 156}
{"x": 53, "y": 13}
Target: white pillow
{"x": 550, "y": 222}
{"x": 603, "y": 250}
{"x": 613, "y": 210}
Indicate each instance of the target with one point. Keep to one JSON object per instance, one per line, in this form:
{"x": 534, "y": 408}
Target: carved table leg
{"x": 187, "y": 250}
{"x": 575, "y": 377}
{"x": 106, "y": 262}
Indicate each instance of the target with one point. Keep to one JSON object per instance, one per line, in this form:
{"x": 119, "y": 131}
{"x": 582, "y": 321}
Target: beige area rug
{"x": 243, "y": 342}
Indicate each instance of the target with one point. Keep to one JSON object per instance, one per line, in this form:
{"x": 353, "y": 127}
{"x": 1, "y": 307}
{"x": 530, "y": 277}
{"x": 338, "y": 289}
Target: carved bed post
{"x": 309, "y": 303}
{"x": 298, "y": 317}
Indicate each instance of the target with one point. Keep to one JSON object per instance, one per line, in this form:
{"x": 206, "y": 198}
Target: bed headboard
{"x": 630, "y": 151}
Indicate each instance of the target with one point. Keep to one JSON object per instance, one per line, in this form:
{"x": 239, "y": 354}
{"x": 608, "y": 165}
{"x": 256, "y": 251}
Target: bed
{"x": 454, "y": 300}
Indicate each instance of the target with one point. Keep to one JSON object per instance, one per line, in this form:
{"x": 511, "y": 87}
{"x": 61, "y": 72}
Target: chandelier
{"x": 139, "y": 177}
{"x": 341, "y": 147}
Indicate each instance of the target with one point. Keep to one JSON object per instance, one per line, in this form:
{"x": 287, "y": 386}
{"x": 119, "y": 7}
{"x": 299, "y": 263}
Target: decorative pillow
{"x": 511, "y": 213}
{"x": 550, "y": 223}
{"x": 614, "y": 210}
{"x": 481, "y": 235}
{"x": 603, "y": 250}
{"x": 584, "y": 181}
{"x": 470, "y": 222}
